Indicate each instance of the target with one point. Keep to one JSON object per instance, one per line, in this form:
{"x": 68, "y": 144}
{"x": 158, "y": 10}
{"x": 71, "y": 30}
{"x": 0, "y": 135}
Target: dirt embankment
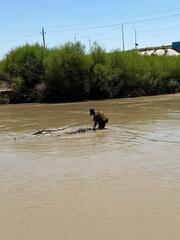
{"x": 5, "y": 92}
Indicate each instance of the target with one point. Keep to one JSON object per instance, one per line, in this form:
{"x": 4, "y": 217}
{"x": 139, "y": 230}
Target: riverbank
{"x": 7, "y": 97}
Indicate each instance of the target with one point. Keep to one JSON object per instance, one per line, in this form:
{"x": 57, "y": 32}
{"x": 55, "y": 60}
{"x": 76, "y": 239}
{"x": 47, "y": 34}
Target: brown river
{"x": 76, "y": 184}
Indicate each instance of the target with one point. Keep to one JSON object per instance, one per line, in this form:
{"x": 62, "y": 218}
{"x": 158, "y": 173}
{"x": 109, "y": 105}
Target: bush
{"x": 68, "y": 73}
{"x": 25, "y": 67}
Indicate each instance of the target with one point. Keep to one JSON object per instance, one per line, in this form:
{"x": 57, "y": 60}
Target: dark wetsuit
{"x": 97, "y": 119}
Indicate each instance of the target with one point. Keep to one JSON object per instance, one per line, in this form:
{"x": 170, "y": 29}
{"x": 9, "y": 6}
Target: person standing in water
{"x": 98, "y": 118}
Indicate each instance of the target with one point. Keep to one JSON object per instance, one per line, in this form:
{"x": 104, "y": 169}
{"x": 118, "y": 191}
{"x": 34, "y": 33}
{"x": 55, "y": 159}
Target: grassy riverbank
{"x": 69, "y": 73}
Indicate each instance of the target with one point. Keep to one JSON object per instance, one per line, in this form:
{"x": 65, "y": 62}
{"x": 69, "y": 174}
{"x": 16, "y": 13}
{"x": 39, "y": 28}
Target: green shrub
{"x": 25, "y": 63}
{"x": 68, "y": 73}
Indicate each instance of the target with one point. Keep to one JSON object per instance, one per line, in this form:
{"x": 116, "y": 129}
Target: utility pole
{"x": 43, "y": 36}
{"x": 89, "y": 41}
{"x": 135, "y": 32}
{"x": 75, "y": 38}
{"x": 122, "y": 28}
{"x": 135, "y": 38}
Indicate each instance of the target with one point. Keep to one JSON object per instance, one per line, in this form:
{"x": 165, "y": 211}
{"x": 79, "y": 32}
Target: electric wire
{"x": 98, "y": 27}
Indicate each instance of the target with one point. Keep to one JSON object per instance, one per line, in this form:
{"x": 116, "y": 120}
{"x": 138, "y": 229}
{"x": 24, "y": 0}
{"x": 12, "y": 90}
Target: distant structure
{"x": 165, "y": 50}
{"x": 5, "y": 88}
{"x": 5, "y": 93}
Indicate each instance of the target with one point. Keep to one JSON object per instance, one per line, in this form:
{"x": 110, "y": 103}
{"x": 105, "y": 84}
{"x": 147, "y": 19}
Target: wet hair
{"x": 91, "y": 111}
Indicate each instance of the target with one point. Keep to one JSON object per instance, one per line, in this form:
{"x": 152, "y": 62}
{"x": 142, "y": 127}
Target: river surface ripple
{"x": 119, "y": 183}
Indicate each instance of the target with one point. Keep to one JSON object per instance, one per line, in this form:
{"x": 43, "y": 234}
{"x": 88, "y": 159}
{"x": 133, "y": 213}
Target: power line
{"x": 153, "y": 19}
{"x": 122, "y": 27}
{"x": 144, "y": 20}
{"x": 14, "y": 39}
{"x": 153, "y": 13}
{"x": 110, "y": 25}
{"x": 86, "y": 28}
{"x": 116, "y": 24}
{"x": 19, "y": 34}
{"x": 159, "y": 29}
{"x": 104, "y": 32}
{"x": 120, "y": 24}
{"x": 98, "y": 21}
{"x": 122, "y": 19}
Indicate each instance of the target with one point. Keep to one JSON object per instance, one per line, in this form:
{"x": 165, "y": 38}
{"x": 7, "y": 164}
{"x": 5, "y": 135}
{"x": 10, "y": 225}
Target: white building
{"x": 159, "y": 51}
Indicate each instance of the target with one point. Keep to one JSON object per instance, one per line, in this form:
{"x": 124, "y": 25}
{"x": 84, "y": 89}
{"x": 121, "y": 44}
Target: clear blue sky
{"x": 157, "y": 22}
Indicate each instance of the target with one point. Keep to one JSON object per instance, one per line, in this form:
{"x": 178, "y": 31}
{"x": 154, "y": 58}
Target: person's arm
{"x": 95, "y": 119}
{"x": 95, "y": 123}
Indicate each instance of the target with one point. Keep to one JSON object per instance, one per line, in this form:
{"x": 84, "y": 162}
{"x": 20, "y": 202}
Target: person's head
{"x": 91, "y": 111}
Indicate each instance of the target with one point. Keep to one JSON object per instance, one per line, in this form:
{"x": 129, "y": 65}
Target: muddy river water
{"x": 119, "y": 183}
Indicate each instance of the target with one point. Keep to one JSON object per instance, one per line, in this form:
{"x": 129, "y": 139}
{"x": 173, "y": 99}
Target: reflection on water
{"x": 119, "y": 183}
